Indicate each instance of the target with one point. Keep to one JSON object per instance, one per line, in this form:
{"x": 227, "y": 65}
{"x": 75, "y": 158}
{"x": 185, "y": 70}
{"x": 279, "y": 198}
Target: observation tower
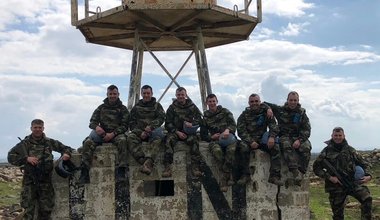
{"x": 166, "y": 25}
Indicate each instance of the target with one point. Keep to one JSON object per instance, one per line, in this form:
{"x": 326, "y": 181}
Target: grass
{"x": 9, "y": 193}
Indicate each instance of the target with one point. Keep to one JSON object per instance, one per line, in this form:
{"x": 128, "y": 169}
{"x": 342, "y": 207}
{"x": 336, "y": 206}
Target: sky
{"x": 327, "y": 51}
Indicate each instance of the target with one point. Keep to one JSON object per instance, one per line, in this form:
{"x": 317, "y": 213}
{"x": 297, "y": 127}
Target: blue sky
{"x": 328, "y": 51}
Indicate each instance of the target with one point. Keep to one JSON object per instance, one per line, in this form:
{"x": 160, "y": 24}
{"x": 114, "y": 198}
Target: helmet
{"x": 359, "y": 173}
{"x": 224, "y": 142}
{"x": 65, "y": 168}
{"x": 190, "y": 130}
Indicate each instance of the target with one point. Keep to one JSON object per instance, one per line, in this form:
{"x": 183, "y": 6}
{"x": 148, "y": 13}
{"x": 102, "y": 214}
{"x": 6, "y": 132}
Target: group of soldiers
{"x": 260, "y": 126}
{"x": 281, "y": 131}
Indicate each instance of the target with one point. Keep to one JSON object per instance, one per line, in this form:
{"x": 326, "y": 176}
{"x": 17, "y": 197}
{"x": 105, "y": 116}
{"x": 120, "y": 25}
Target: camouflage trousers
{"x": 338, "y": 202}
{"x": 296, "y": 158}
{"x": 275, "y": 159}
{"x": 225, "y": 157}
{"x": 120, "y": 141}
{"x": 143, "y": 148}
{"x": 42, "y": 195}
{"x": 192, "y": 141}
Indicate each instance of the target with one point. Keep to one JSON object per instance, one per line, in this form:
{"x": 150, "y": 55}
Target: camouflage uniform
{"x": 112, "y": 118}
{"x": 217, "y": 122}
{"x": 294, "y": 125}
{"x": 37, "y": 187}
{"x": 343, "y": 158}
{"x": 176, "y": 115}
{"x": 251, "y": 126}
{"x": 145, "y": 114}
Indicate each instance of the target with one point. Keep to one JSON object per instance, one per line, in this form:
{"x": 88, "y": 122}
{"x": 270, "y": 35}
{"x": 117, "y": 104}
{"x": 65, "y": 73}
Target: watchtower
{"x": 166, "y": 25}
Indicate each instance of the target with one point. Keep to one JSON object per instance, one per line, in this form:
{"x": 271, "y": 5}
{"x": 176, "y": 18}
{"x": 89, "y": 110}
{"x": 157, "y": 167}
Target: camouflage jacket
{"x": 112, "y": 118}
{"x": 177, "y": 114}
{"x": 146, "y": 114}
{"x": 217, "y": 122}
{"x": 252, "y": 124}
{"x": 343, "y": 158}
{"x": 42, "y": 149}
{"x": 292, "y": 122}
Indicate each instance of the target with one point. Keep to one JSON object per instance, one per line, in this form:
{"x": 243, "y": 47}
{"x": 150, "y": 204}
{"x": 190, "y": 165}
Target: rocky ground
{"x": 12, "y": 174}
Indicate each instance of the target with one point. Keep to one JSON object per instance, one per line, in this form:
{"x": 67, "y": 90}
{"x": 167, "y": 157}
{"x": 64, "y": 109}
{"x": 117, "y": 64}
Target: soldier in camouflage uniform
{"x": 294, "y": 135}
{"x": 252, "y": 124}
{"x": 146, "y": 119}
{"x": 344, "y": 159}
{"x": 219, "y": 128}
{"x": 109, "y": 122}
{"x": 182, "y": 119}
{"x": 34, "y": 155}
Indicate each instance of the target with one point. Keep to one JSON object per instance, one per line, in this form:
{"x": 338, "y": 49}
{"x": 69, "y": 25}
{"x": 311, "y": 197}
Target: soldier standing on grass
{"x": 34, "y": 155}
{"x": 337, "y": 164}
{"x": 182, "y": 120}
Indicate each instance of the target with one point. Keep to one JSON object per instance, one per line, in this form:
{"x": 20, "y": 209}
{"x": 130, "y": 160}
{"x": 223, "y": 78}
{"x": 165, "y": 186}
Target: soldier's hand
{"x": 254, "y": 145}
{"x": 100, "y": 131}
{"x": 335, "y": 180}
{"x": 215, "y": 136}
{"x": 148, "y": 129}
{"x": 225, "y": 133}
{"x": 188, "y": 124}
{"x": 270, "y": 142}
{"x": 32, "y": 160}
{"x": 65, "y": 157}
{"x": 144, "y": 135}
{"x": 269, "y": 113}
{"x": 181, "y": 135}
{"x": 365, "y": 179}
{"x": 109, "y": 137}
{"x": 296, "y": 144}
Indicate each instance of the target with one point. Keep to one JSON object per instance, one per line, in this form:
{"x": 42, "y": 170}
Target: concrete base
{"x": 180, "y": 197}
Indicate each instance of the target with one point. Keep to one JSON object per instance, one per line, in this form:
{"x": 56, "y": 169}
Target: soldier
{"x": 108, "y": 122}
{"x": 182, "y": 120}
{"x": 219, "y": 128}
{"x": 34, "y": 155}
{"x": 252, "y": 124}
{"x": 294, "y": 135}
{"x": 146, "y": 119}
{"x": 336, "y": 164}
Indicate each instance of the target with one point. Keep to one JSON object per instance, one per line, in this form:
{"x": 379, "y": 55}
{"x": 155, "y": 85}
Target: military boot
{"x": 167, "y": 171}
{"x": 230, "y": 179}
{"x": 84, "y": 175}
{"x": 147, "y": 166}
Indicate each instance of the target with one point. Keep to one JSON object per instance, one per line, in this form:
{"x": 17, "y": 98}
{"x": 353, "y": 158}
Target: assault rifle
{"x": 348, "y": 185}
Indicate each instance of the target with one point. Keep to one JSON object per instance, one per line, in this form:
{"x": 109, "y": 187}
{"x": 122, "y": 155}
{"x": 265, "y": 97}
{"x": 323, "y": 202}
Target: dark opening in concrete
{"x": 159, "y": 188}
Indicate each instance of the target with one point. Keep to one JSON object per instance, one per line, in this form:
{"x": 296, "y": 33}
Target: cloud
{"x": 293, "y": 29}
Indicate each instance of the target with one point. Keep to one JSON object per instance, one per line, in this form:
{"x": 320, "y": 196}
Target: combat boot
{"x": 84, "y": 175}
{"x": 196, "y": 171}
{"x": 147, "y": 166}
{"x": 276, "y": 181}
{"x": 230, "y": 179}
{"x": 167, "y": 171}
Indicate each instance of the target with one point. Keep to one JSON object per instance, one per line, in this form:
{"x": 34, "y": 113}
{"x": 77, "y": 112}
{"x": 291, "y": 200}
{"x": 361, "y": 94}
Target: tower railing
{"x": 247, "y": 4}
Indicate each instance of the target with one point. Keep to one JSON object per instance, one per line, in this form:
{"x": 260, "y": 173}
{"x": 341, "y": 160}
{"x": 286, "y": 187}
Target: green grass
{"x": 9, "y": 193}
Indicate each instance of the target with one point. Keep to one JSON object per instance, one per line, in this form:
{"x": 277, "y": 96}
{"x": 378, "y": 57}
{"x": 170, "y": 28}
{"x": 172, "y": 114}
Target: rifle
{"x": 348, "y": 185}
